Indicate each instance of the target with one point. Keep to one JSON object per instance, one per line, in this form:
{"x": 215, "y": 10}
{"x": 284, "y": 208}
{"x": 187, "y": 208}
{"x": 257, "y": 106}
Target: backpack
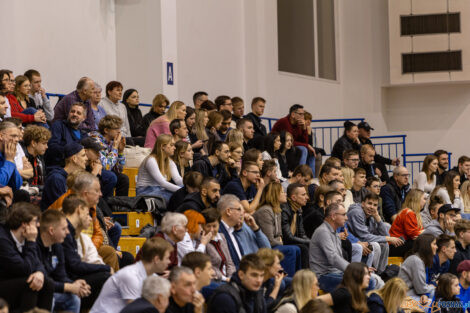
{"x": 390, "y": 272}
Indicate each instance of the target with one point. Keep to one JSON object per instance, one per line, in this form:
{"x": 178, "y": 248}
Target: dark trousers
{"x": 21, "y": 298}
{"x": 96, "y": 282}
{"x": 304, "y": 256}
{"x": 401, "y": 251}
{"x": 108, "y": 181}
{"x": 122, "y": 185}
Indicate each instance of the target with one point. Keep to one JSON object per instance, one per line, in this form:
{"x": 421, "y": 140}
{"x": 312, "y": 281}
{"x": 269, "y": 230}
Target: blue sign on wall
{"x": 169, "y": 73}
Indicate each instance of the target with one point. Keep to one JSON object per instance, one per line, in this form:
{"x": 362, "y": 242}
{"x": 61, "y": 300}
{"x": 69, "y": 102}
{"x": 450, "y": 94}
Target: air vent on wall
{"x": 444, "y": 61}
{"x": 430, "y": 24}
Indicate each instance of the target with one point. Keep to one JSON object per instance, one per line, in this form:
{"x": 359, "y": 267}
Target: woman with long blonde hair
{"x": 465, "y": 194}
{"x": 268, "y": 213}
{"x": 161, "y": 125}
{"x": 408, "y": 223}
{"x": 304, "y": 288}
{"x": 158, "y": 174}
{"x": 389, "y": 298}
{"x": 198, "y": 133}
{"x": 183, "y": 156}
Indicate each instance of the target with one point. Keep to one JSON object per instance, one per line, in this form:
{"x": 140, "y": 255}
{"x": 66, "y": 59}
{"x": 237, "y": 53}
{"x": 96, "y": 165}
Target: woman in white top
{"x": 450, "y": 192}
{"x": 426, "y": 180}
{"x": 158, "y": 174}
{"x": 272, "y": 144}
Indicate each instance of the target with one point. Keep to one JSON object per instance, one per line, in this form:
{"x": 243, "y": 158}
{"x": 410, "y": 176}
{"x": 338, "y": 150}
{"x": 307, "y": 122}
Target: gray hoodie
{"x": 413, "y": 273}
{"x": 365, "y": 228}
{"x": 434, "y": 228}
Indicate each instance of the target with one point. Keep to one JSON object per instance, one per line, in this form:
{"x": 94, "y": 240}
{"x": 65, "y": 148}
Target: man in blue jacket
{"x": 67, "y": 293}
{"x": 64, "y": 132}
{"x": 56, "y": 181}
{"x": 9, "y": 137}
{"x": 22, "y": 281}
{"x": 95, "y": 275}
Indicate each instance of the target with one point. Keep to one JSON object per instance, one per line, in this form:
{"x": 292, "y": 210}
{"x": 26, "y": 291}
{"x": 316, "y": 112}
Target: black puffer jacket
{"x": 342, "y": 144}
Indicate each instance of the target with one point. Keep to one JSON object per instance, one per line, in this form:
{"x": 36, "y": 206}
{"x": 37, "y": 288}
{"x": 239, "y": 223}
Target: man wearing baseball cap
{"x": 364, "y": 137}
{"x": 463, "y": 271}
{"x": 107, "y": 179}
{"x": 56, "y": 181}
{"x": 446, "y": 218}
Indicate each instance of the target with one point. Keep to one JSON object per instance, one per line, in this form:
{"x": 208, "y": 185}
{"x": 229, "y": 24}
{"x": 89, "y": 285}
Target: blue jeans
{"x": 114, "y": 234}
{"x": 66, "y": 302}
{"x": 154, "y": 191}
{"x": 292, "y": 261}
{"x": 307, "y": 158}
{"x": 329, "y": 282}
{"x": 108, "y": 181}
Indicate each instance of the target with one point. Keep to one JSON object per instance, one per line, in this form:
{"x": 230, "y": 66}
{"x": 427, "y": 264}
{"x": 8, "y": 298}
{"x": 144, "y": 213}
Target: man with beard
{"x": 215, "y": 165}
{"x": 443, "y": 159}
{"x": 64, "y": 132}
{"x": 206, "y": 198}
{"x": 226, "y": 122}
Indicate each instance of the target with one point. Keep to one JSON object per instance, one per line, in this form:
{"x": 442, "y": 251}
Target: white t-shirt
{"x": 125, "y": 285}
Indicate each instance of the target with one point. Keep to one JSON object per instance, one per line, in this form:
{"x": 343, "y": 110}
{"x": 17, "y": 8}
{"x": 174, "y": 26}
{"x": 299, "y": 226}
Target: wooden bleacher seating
{"x": 131, "y": 244}
{"x": 131, "y": 172}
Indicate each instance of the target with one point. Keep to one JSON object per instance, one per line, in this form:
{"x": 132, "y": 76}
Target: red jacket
{"x": 406, "y": 225}
{"x": 16, "y": 110}
{"x": 300, "y": 135}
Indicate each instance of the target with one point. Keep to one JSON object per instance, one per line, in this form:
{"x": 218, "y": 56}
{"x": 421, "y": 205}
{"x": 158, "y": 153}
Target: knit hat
{"x": 71, "y": 149}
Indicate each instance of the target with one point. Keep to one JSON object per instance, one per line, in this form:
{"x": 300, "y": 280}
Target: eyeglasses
{"x": 404, "y": 175}
{"x": 236, "y": 209}
{"x": 354, "y": 160}
{"x": 343, "y": 214}
{"x": 254, "y": 172}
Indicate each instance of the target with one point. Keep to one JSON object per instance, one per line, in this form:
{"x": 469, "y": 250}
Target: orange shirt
{"x": 97, "y": 236}
{"x": 406, "y": 225}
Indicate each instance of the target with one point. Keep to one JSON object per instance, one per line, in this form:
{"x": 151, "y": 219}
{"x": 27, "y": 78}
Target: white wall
{"x": 138, "y": 46}
{"x": 64, "y": 40}
{"x": 230, "y": 47}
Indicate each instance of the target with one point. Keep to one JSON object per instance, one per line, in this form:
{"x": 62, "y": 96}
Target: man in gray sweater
{"x": 326, "y": 257}
{"x": 365, "y": 223}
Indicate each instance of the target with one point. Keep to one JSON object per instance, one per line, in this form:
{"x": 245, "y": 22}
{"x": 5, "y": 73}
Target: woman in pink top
{"x": 161, "y": 125}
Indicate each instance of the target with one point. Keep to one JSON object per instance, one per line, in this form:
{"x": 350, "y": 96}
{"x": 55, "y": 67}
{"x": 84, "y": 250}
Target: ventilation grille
{"x": 444, "y": 61}
{"x": 430, "y": 24}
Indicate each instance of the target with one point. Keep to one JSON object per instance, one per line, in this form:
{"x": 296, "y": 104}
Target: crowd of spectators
{"x": 254, "y": 220}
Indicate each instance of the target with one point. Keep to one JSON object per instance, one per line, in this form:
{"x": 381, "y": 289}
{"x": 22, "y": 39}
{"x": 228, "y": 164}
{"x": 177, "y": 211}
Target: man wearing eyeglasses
{"x": 9, "y": 137}
{"x": 394, "y": 193}
{"x": 248, "y": 188}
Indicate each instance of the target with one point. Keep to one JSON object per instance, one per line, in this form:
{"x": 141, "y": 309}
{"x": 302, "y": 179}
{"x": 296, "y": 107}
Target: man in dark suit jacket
{"x": 231, "y": 212}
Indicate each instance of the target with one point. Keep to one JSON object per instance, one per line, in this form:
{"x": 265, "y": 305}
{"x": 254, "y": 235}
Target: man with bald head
{"x": 83, "y": 93}
{"x": 394, "y": 193}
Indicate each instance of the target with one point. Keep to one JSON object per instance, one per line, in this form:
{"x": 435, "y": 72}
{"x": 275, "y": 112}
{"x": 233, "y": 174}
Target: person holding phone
{"x": 275, "y": 279}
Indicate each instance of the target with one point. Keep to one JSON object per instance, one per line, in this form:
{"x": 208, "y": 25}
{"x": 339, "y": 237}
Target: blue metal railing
{"x": 414, "y": 165}
{"x": 392, "y": 147}
{"x": 327, "y": 131}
